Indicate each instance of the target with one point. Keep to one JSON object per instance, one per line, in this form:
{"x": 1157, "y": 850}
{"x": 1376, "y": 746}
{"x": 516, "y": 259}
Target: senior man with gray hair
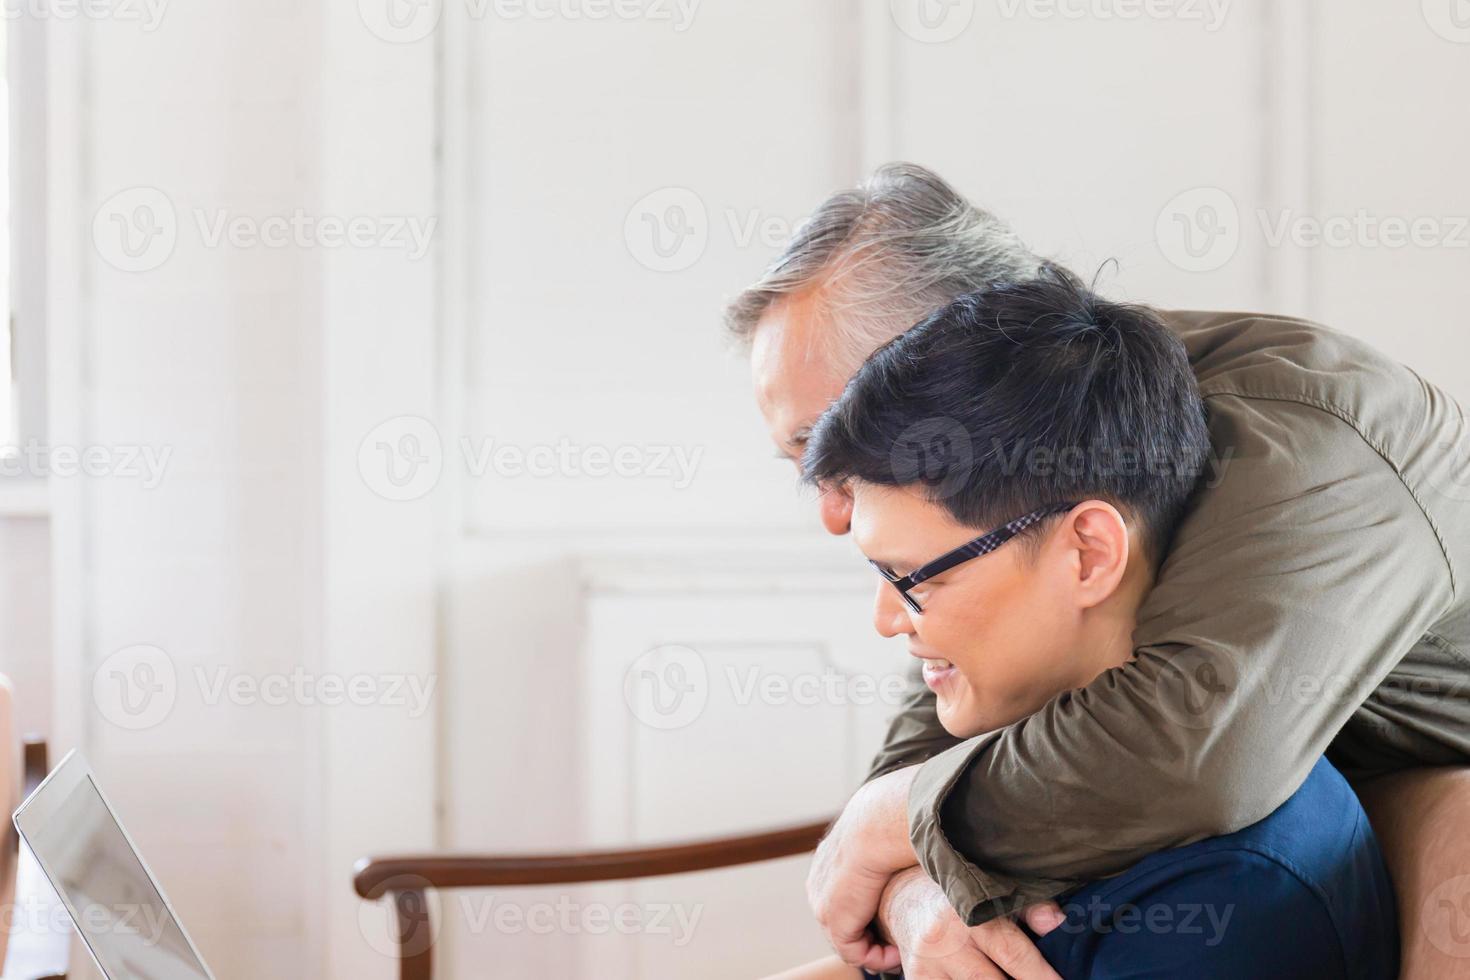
{"x": 1313, "y": 600}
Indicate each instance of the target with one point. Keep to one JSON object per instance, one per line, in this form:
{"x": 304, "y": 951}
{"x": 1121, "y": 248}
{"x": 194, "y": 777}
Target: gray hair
{"x": 883, "y": 255}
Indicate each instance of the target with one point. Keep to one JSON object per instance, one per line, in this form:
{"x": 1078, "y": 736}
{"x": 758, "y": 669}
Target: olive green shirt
{"x": 1314, "y": 599}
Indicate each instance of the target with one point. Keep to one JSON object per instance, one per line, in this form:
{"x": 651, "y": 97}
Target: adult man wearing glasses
{"x": 1313, "y": 600}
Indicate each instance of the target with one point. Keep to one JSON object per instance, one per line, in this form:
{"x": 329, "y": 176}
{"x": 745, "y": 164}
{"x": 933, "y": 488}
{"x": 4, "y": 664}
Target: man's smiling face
{"x": 997, "y": 634}
{"x": 795, "y": 380}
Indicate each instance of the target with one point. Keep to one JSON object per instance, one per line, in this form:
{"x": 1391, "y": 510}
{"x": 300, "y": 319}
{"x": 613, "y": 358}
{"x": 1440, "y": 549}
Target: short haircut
{"x": 1016, "y": 397}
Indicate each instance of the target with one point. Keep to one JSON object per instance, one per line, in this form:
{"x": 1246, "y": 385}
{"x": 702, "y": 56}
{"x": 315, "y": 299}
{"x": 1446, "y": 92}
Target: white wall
{"x": 210, "y": 353}
{"x": 381, "y": 583}
{"x": 559, "y": 305}
{"x": 1089, "y": 134}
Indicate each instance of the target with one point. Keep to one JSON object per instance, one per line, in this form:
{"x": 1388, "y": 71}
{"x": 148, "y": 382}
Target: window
{"x": 22, "y": 241}
{"x": 8, "y": 407}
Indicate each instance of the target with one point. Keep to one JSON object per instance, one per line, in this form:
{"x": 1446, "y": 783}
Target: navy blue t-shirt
{"x": 1303, "y": 893}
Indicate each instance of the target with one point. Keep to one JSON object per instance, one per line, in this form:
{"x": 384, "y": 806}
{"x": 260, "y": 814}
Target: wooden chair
{"x": 408, "y": 879}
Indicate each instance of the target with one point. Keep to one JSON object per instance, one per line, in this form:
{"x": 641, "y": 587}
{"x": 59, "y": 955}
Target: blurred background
{"x": 377, "y": 477}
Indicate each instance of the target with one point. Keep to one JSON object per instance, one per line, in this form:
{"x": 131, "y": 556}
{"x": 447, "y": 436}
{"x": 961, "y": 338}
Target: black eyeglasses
{"x": 982, "y": 545}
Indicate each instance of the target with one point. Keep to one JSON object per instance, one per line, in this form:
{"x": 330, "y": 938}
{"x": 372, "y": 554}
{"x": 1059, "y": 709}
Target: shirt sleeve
{"x": 1295, "y": 584}
{"x": 915, "y": 733}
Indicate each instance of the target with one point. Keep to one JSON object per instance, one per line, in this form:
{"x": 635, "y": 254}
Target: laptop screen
{"x": 114, "y": 902}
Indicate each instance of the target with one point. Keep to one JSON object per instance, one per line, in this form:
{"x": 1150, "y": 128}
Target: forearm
{"x": 890, "y": 905}
{"x": 878, "y": 816}
{"x": 1419, "y": 818}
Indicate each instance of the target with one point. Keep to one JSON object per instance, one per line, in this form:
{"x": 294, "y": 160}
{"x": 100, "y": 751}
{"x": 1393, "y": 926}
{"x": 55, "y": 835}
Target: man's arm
{"x": 1293, "y": 588}
{"x": 1419, "y": 817}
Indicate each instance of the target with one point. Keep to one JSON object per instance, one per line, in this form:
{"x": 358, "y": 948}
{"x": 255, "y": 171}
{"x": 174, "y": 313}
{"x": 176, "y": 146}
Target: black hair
{"x": 1020, "y": 396}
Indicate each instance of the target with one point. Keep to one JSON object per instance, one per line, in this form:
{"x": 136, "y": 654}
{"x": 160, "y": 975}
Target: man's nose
{"x": 890, "y": 614}
{"x": 836, "y": 507}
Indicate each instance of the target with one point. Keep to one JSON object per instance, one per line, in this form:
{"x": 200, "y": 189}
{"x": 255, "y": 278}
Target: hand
{"x": 866, "y": 845}
{"x": 935, "y": 944}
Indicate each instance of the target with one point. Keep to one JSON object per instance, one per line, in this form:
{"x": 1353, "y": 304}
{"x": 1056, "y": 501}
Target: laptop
{"x": 114, "y": 901}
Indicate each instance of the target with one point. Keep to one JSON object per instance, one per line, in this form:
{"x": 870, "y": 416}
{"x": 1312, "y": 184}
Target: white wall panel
{"x": 1079, "y": 127}
{"x": 1393, "y": 141}
{"x": 206, "y": 354}
{"x": 586, "y": 139}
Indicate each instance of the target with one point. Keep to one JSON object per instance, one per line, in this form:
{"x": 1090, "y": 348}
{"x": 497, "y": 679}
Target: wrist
{"x": 898, "y": 899}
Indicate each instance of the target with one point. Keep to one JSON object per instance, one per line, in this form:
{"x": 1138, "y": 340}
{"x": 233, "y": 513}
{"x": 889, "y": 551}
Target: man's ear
{"x": 1097, "y": 536}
